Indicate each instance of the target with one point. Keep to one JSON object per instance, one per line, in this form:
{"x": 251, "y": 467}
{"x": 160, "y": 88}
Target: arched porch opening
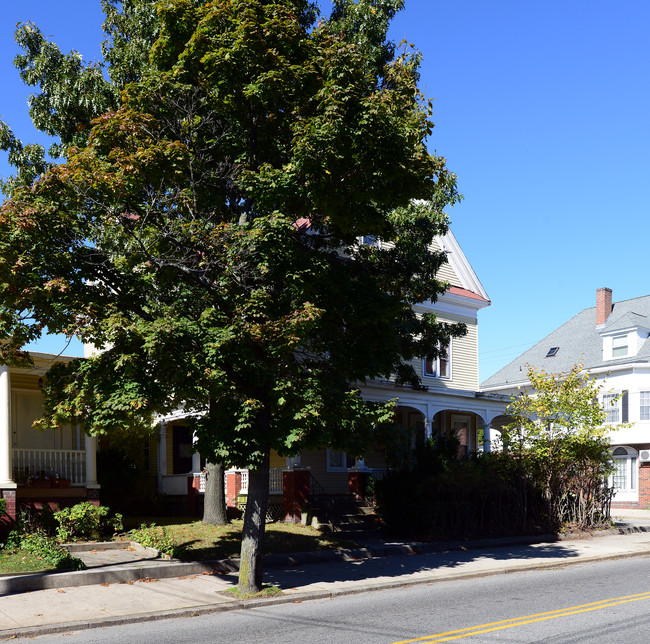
{"x": 412, "y": 420}
{"x": 496, "y": 426}
{"x": 466, "y": 426}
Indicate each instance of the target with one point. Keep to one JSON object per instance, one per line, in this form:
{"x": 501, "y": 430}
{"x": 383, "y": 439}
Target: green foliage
{"x": 48, "y": 549}
{"x": 31, "y": 534}
{"x": 3, "y": 507}
{"x": 443, "y": 496}
{"x": 86, "y": 521}
{"x": 559, "y": 440}
{"x": 205, "y": 225}
{"x": 153, "y": 536}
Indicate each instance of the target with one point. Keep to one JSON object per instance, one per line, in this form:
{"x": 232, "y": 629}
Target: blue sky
{"x": 541, "y": 109}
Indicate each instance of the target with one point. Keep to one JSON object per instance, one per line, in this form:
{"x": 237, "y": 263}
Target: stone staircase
{"x": 345, "y": 517}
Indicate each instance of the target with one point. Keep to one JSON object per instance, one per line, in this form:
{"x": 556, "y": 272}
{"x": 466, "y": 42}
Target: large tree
{"x": 208, "y": 233}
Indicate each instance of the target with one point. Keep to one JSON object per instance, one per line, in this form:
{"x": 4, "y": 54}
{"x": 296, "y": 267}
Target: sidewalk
{"x": 154, "y": 589}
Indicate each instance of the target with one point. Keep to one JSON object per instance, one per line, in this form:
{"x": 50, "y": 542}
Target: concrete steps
{"x": 346, "y": 517}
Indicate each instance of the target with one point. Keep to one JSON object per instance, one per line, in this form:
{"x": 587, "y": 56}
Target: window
{"x": 439, "y": 367}
{"x": 624, "y": 478}
{"x": 644, "y": 409}
{"x": 619, "y": 346}
{"x": 552, "y": 352}
{"x": 368, "y": 240}
{"x": 611, "y": 408}
{"x": 339, "y": 461}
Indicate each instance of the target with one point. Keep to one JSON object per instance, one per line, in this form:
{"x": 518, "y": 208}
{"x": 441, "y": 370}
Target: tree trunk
{"x": 250, "y": 566}
{"x": 214, "y": 500}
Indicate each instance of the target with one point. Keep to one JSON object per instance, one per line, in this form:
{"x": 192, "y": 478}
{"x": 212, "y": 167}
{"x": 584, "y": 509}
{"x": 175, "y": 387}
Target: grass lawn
{"x": 203, "y": 542}
{"x": 18, "y": 561}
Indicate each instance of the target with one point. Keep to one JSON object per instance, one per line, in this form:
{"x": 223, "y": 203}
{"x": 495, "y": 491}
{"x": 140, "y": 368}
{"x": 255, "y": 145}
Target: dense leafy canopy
{"x": 204, "y": 228}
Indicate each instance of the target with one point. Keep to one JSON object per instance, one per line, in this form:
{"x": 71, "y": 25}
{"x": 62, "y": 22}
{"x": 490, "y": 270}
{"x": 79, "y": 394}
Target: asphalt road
{"x": 607, "y": 601}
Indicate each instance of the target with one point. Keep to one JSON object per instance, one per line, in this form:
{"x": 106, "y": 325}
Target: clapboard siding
{"x": 464, "y": 358}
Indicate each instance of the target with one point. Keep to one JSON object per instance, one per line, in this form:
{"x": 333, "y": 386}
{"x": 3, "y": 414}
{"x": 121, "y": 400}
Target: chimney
{"x": 603, "y": 305}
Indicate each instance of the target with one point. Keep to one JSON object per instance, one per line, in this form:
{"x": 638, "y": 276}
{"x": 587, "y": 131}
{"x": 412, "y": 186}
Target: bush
{"x": 86, "y": 521}
{"x": 153, "y": 536}
{"x": 30, "y": 535}
{"x": 449, "y": 496}
{"x": 49, "y": 550}
{"x": 3, "y": 507}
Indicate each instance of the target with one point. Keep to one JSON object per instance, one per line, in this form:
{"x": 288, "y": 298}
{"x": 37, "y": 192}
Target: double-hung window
{"x": 612, "y": 408}
{"x": 619, "y": 346}
{"x": 440, "y": 366}
{"x": 644, "y": 406}
{"x": 339, "y": 461}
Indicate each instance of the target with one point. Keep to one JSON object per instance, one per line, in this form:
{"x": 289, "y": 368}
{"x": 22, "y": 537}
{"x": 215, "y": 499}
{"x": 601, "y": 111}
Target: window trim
{"x": 624, "y": 348}
{"x": 434, "y": 372}
{"x": 642, "y": 406}
{"x": 631, "y": 474}
{"x": 346, "y": 461}
{"x": 614, "y": 408}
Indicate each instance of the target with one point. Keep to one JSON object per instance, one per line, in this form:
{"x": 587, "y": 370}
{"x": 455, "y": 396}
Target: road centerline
{"x": 526, "y": 619}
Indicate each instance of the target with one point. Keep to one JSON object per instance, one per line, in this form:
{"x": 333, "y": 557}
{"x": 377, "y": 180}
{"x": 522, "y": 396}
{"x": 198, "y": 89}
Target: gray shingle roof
{"x": 579, "y": 341}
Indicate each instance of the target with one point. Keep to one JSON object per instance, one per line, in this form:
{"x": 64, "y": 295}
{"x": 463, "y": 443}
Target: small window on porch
{"x": 339, "y": 461}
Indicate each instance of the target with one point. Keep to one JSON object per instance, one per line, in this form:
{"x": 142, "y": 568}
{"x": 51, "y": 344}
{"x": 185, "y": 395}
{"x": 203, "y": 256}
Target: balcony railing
{"x": 66, "y": 463}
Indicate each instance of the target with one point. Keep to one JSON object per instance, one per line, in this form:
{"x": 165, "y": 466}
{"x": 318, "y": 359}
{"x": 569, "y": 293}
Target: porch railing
{"x": 67, "y": 463}
{"x": 275, "y": 481}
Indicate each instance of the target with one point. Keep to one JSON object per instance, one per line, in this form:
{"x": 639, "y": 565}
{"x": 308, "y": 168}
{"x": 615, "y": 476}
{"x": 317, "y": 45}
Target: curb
{"x": 297, "y": 597}
{"x": 10, "y": 585}
{"x": 174, "y": 568}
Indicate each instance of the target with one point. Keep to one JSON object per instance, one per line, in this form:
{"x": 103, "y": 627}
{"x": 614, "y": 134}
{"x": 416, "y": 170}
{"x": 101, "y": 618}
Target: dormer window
{"x": 619, "y": 346}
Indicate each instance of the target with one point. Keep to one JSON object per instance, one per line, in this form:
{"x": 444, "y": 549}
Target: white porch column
{"x": 6, "y": 448}
{"x": 196, "y": 457}
{"x": 487, "y": 437}
{"x": 91, "y": 462}
{"x": 360, "y": 465}
{"x": 428, "y": 425}
{"x": 162, "y": 454}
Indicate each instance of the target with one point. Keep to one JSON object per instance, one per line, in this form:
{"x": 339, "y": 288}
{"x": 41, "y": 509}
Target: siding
{"x": 446, "y": 273}
{"x": 464, "y": 358}
{"x": 331, "y": 482}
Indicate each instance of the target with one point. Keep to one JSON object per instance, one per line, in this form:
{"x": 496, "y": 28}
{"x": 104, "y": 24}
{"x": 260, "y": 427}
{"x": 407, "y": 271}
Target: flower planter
{"x": 39, "y": 484}
{"x": 61, "y": 483}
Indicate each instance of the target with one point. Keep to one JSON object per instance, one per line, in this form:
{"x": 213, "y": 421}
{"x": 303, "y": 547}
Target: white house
{"x": 611, "y": 341}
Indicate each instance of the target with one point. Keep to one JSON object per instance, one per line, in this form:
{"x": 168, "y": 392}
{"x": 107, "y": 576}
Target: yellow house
{"x": 56, "y": 467}
{"x": 449, "y": 401}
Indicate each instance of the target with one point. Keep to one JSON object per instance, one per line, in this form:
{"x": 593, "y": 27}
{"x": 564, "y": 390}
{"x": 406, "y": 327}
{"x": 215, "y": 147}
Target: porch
{"x": 40, "y": 467}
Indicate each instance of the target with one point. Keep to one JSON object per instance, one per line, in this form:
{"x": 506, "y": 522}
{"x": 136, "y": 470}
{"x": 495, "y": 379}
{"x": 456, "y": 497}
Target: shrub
{"x": 49, "y": 550}
{"x": 30, "y": 535}
{"x": 153, "y": 536}
{"x": 3, "y": 507}
{"x": 86, "y": 521}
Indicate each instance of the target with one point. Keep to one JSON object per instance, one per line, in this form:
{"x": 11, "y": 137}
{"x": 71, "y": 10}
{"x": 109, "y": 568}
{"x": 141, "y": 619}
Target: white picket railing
{"x": 275, "y": 481}
{"x": 66, "y": 463}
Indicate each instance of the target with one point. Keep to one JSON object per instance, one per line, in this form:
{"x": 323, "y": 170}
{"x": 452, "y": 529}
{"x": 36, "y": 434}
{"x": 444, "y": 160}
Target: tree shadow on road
{"x": 460, "y": 561}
